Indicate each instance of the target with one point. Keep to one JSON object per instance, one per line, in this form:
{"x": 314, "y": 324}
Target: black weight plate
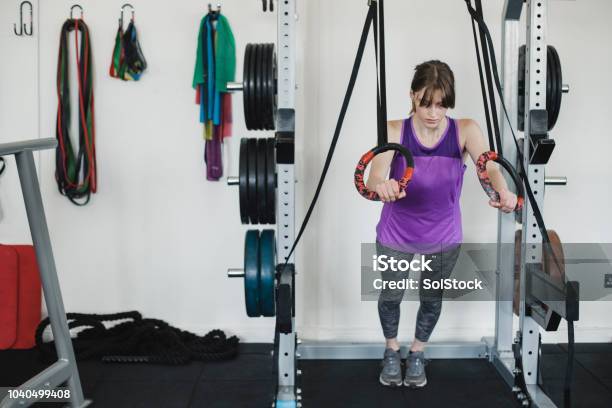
{"x": 271, "y": 180}
{"x": 267, "y": 109}
{"x": 255, "y": 96}
{"x": 262, "y": 87}
{"x": 273, "y": 75}
{"x": 275, "y": 85}
{"x": 251, "y": 273}
{"x": 559, "y": 83}
{"x": 243, "y": 180}
{"x": 557, "y": 87}
{"x": 253, "y": 88}
{"x": 246, "y": 75}
{"x": 265, "y": 69}
{"x": 251, "y": 85}
{"x": 253, "y": 100}
{"x": 263, "y": 108}
{"x": 550, "y": 86}
{"x": 259, "y": 86}
{"x": 252, "y": 191}
{"x": 521, "y": 90}
{"x": 252, "y": 79}
{"x": 261, "y": 181}
{"x": 271, "y": 91}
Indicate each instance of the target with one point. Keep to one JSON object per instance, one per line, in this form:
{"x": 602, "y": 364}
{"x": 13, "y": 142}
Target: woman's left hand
{"x": 507, "y": 201}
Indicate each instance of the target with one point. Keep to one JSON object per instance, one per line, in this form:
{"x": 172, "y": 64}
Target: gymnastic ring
{"x": 485, "y": 181}
{"x": 367, "y": 158}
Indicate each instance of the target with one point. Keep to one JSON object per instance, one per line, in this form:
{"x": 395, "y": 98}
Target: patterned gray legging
{"x": 442, "y": 265}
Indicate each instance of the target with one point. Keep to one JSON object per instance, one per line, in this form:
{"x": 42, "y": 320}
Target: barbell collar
{"x": 235, "y": 273}
{"x": 233, "y": 181}
{"x": 565, "y": 88}
{"x": 555, "y": 181}
{"x": 235, "y": 86}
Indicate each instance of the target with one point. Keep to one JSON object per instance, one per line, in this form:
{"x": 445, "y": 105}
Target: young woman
{"x": 426, "y": 217}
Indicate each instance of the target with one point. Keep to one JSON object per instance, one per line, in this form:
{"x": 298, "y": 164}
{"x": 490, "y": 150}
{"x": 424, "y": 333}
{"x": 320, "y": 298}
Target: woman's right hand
{"x": 389, "y": 191}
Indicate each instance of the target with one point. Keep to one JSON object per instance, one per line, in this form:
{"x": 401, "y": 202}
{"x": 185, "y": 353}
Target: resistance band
{"x": 487, "y": 48}
{"x": 75, "y": 173}
{"x": 128, "y": 62}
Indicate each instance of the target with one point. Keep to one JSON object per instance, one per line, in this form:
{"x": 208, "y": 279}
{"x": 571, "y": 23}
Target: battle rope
{"x": 75, "y": 173}
{"x": 138, "y": 340}
{"x": 487, "y": 44}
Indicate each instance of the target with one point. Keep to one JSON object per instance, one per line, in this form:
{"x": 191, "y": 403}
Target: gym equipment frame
{"x": 501, "y": 350}
{"x": 286, "y": 337}
{"x": 65, "y": 369}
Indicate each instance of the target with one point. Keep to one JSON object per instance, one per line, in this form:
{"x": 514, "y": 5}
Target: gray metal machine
{"x": 65, "y": 369}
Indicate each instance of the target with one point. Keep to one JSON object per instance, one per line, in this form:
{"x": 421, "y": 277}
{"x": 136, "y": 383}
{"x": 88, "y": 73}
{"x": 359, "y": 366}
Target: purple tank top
{"x": 428, "y": 219}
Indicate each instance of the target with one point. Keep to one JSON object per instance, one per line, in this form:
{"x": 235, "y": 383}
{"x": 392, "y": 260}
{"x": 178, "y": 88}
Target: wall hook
{"x": 23, "y": 28}
{"x": 218, "y": 10}
{"x": 265, "y": 5}
{"x": 122, "y": 9}
{"x": 72, "y": 9}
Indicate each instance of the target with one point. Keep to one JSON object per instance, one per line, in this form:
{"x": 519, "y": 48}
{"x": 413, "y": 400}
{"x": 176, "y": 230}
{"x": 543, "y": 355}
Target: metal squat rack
{"x": 513, "y": 354}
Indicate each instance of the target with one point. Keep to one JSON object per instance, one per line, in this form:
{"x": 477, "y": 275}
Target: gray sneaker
{"x": 391, "y": 374}
{"x": 415, "y": 370}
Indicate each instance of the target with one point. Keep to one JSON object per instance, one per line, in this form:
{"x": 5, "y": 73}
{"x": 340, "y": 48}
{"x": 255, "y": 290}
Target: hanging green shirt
{"x": 225, "y": 56}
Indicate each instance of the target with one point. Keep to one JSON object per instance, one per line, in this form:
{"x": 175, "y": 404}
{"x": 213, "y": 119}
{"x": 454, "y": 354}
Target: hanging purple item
{"x": 213, "y": 156}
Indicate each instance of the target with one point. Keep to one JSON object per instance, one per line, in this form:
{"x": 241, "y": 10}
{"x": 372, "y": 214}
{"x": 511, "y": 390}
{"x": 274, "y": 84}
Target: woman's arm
{"x": 388, "y": 190}
{"x": 475, "y": 145}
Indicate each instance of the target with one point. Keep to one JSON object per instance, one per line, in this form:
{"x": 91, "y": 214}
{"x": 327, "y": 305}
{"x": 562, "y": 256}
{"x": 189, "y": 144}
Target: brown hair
{"x": 434, "y": 76}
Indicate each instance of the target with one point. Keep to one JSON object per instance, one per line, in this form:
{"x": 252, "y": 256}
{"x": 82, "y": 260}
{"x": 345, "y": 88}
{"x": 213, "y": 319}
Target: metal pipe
{"x": 555, "y": 181}
{"x": 7, "y": 149}
{"x": 235, "y": 86}
{"x": 235, "y": 273}
{"x": 46, "y": 264}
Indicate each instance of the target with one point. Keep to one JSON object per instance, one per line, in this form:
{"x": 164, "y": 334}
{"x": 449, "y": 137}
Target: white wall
{"x": 19, "y": 106}
{"x": 158, "y": 237}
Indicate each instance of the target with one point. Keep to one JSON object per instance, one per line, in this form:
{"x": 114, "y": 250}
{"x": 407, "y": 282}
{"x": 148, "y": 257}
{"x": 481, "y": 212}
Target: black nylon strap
{"x": 492, "y": 104}
{"x": 382, "y": 132}
{"x": 379, "y": 120}
{"x": 483, "y": 89}
{"x": 347, "y": 98}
